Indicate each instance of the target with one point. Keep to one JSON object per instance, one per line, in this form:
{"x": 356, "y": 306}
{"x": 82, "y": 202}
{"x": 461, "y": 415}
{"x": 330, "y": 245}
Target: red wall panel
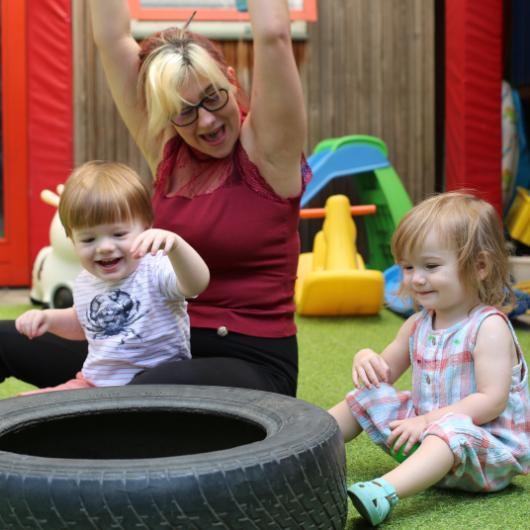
{"x": 50, "y": 108}
{"x": 14, "y": 247}
{"x": 473, "y": 97}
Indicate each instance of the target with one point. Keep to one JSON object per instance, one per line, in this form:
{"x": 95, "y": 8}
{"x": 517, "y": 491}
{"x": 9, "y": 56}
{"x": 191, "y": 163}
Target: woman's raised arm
{"x": 119, "y": 56}
{"x": 275, "y": 132}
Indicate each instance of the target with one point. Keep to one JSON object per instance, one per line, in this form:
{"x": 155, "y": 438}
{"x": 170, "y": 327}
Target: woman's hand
{"x": 153, "y": 240}
{"x": 406, "y": 432}
{"x": 369, "y": 369}
{"x": 33, "y": 323}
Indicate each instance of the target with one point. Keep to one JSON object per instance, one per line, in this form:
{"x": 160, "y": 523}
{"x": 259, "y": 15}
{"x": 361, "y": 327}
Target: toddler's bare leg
{"x": 348, "y": 425}
{"x": 429, "y": 464}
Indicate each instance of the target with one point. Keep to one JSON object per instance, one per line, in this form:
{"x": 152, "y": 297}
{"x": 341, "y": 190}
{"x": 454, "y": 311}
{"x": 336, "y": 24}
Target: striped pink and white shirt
{"x": 134, "y": 324}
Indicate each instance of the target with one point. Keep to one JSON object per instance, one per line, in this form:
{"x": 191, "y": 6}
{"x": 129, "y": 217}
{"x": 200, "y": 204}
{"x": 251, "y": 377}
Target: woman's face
{"x": 213, "y": 132}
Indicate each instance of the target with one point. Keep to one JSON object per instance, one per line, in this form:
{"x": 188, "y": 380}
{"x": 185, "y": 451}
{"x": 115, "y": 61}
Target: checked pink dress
{"x": 488, "y": 456}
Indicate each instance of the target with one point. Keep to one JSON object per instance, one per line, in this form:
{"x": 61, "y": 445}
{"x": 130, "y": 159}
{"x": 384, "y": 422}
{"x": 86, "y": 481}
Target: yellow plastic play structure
{"x": 333, "y": 280}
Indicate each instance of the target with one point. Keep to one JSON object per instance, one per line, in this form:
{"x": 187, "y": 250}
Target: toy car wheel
{"x": 169, "y": 457}
{"x": 61, "y": 297}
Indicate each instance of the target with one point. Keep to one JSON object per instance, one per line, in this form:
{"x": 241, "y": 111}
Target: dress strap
{"x": 479, "y": 316}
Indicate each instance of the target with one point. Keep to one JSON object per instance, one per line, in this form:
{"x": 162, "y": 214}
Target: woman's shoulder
{"x": 283, "y": 170}
{"x": 250, "y": 173}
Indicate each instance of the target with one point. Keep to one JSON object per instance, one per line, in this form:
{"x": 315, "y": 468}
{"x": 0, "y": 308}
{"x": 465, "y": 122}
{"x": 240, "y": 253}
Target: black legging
{"x": 234, "y": 360}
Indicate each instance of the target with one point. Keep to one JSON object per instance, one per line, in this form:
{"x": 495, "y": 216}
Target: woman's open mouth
{"x": 215, "y": 137}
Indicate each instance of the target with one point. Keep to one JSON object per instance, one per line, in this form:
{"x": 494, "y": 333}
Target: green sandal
{"x": 374, "y": 499}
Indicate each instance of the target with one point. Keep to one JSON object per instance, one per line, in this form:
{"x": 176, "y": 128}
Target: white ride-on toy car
{"x": 57, "y": 265}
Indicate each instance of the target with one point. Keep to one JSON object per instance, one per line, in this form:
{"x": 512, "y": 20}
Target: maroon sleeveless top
{"x": 247, "y": 235}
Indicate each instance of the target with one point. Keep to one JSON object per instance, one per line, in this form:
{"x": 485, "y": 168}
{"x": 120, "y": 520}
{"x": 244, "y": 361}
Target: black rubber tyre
{"x": 169, "y": 457}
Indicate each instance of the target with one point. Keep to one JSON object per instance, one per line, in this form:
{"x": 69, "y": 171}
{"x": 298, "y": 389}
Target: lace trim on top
{"x": 198, "y": 174}
{"x": 201, "y": 174}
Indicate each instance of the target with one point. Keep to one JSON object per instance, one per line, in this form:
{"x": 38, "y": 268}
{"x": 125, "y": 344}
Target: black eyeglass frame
{"x": 202, "y": 103}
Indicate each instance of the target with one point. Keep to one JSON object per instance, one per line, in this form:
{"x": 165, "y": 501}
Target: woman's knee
{"x": 215, "y": 372}
{"x": 7, "y": 330}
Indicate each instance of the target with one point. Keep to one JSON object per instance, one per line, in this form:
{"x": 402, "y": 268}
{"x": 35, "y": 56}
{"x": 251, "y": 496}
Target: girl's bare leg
{"x": 425, "y": 467}
{"x": 348, "y": 425}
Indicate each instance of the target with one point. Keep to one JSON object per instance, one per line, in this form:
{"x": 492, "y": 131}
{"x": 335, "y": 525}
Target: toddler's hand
{"x": 406, "y": 432}
{"x": 369, "y": 369}
{"x": 153, "y": 240}
{"x": 33, "y": 323}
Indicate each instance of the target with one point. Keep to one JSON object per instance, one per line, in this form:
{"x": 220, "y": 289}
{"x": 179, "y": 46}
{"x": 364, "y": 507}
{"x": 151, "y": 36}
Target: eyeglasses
{"x": 212, "y": 102}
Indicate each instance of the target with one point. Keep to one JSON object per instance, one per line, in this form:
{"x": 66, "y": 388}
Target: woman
{"x": 226, "y": 178}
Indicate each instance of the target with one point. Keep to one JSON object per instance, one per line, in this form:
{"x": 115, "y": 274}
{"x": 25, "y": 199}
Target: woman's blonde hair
{"x": 101, "y": 192}
{"x": 168, "y": 60}
{"x": 471, "y": 227}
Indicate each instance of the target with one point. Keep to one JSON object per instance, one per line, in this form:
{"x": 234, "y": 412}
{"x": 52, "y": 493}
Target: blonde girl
{"x": 469, "y": 408}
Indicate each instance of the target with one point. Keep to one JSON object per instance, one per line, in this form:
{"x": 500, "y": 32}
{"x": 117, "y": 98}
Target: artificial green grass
{"x": 327, "y": 346}
{"x": 12, "y": 386}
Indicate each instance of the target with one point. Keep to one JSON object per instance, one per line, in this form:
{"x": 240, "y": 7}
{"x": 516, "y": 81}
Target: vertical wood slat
{"x": 370, "y": 70}
{"x": 367, "y": 68}
{"x": 99, "y": 131}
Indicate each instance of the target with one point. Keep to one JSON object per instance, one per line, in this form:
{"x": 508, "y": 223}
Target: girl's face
{"x": 213, "y": 133}
{"x": 430, "y": 275}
